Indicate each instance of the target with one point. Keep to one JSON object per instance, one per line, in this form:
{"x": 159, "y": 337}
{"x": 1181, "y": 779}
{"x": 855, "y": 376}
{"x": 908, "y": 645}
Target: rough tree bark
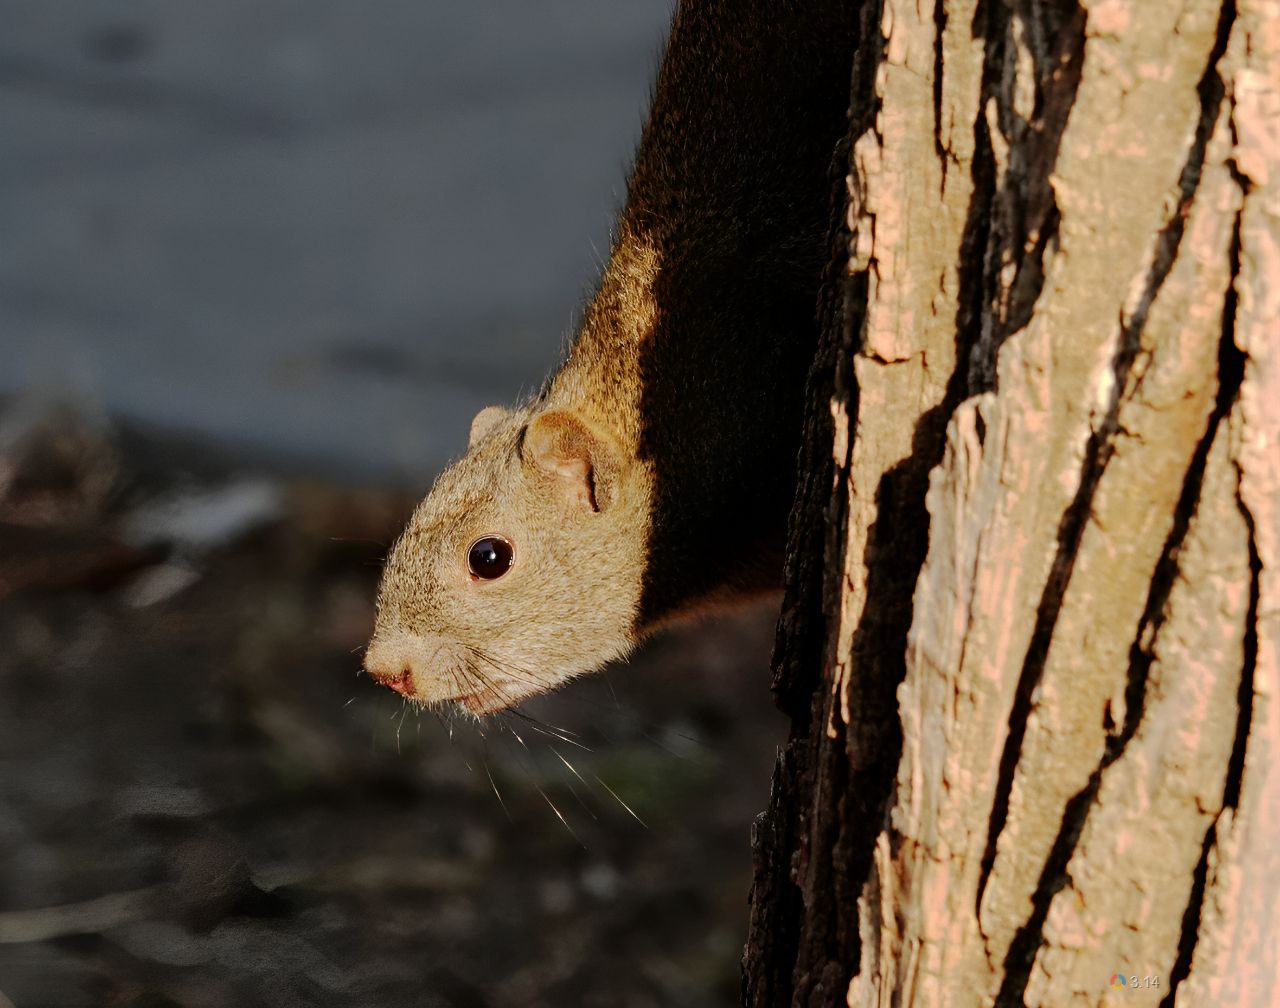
{"x": 1031, "y": 631}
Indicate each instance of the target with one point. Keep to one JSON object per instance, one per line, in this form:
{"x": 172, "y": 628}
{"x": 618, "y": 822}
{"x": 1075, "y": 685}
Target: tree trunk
{"x": 1031, "y": 631}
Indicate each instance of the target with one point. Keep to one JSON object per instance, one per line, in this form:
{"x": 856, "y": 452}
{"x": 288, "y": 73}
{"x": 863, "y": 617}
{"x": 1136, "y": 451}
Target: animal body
{"x": 650, "y": 479}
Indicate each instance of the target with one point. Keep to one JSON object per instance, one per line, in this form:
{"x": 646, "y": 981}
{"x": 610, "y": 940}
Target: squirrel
{"x": 651, "y": 478}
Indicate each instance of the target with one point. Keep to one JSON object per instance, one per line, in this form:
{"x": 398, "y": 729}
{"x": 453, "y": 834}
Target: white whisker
{"x": 620, "y": 801}
{"x": 498, "y": 794}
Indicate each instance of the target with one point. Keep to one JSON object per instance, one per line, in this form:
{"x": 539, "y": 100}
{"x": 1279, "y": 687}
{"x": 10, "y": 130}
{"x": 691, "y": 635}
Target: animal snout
{"x": 389, "y": 665}
{"x": 400, "y": 661}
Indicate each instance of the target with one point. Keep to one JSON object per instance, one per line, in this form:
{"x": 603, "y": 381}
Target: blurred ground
{"x": 189, "y": 759}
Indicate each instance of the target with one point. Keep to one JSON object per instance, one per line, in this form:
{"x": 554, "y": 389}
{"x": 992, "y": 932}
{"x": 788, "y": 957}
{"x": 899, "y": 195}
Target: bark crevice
{"x": 782, "y": 836}
{"x": 1025, "y": 217}
{"x": 939, "y": 33}
{"x": 895, "y": 552}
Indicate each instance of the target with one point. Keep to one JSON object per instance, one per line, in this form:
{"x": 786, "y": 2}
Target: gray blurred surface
{"x": 313, "y": 229}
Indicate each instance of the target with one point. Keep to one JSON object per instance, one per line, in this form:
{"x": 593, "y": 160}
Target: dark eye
{"x": 490, "y": 557}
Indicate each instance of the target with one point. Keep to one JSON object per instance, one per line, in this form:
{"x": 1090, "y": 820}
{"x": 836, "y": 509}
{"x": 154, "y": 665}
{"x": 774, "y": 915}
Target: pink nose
{"x": 403, "y": 661}
{"x": 402, "y": 683}
{"x": 395, "y": 675}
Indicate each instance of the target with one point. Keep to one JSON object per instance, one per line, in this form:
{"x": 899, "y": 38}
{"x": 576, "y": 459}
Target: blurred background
{"x": 262, "y": 260}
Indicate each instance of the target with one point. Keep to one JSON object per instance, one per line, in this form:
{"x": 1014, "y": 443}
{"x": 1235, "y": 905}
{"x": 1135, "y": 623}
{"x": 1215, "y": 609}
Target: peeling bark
{"x": 1032, "y": 661}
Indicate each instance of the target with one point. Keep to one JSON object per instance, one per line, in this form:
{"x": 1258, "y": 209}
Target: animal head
{"x": 520, "y": 569}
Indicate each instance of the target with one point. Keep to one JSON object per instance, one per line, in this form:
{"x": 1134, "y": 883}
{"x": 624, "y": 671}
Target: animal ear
{"x": 562, "y": 447}
{"x": 485, "y": 421}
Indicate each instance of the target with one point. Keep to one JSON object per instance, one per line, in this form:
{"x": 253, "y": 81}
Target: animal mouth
{"x": 477, "y": 703}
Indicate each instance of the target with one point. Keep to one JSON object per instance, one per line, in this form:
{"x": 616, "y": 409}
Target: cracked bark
{"x": 1031, "y": 639}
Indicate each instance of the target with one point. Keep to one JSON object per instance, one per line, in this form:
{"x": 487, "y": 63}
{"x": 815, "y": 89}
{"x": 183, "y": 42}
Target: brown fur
{"x": 651, "y": 477}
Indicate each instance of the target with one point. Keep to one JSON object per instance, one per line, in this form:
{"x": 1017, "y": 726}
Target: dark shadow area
{"x": 730, "y": 187}
{"x": 816, "y": 529}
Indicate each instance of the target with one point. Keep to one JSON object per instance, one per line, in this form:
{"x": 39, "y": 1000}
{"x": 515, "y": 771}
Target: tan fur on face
{"x": 653, "y": 475}
{"x": 567, "y": 605}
